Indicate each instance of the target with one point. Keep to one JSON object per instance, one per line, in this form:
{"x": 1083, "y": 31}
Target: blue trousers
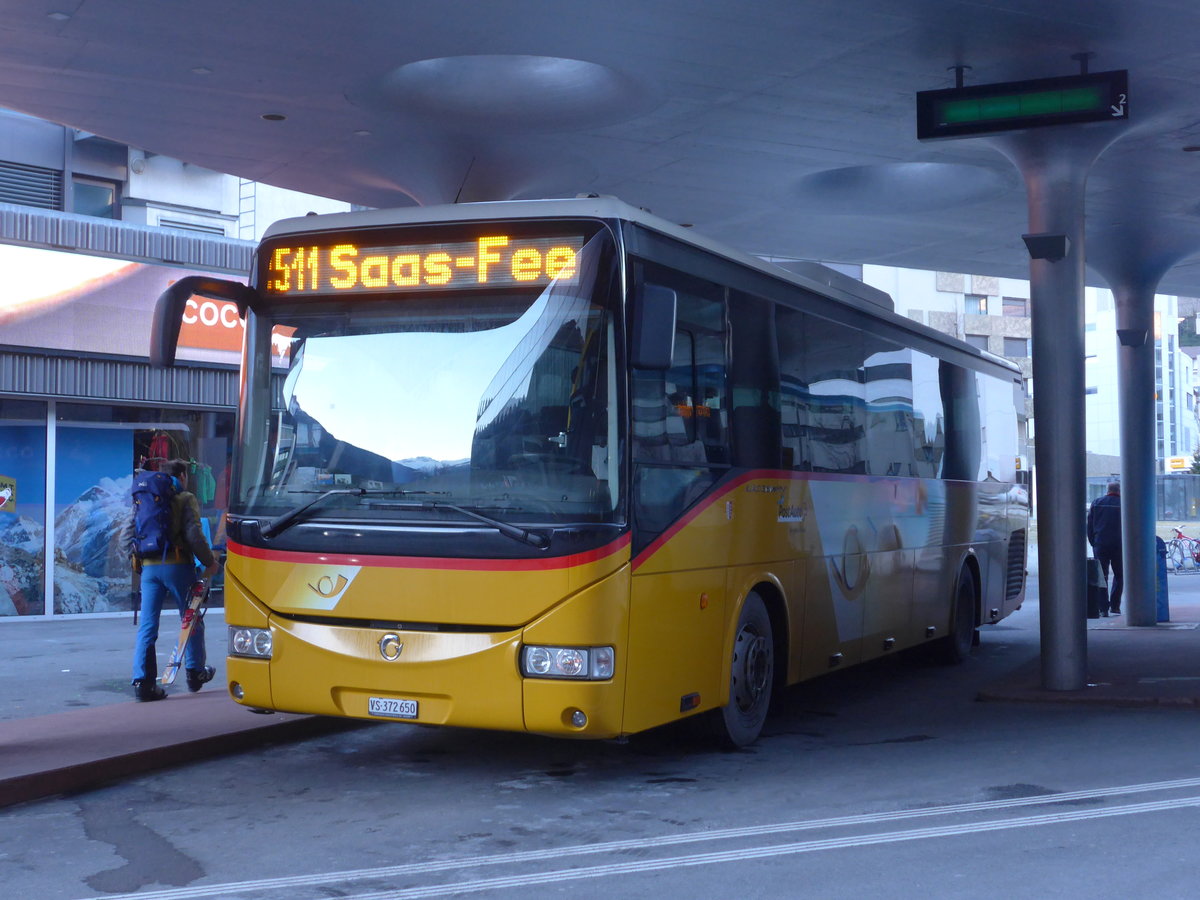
{"x": 160, "y": 581}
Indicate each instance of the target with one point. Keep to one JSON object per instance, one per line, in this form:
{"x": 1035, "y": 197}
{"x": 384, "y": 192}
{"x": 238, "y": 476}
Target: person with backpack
{"x": 164, "y": 537}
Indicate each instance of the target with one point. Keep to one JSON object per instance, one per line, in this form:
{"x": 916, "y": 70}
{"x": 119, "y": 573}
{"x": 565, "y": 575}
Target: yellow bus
{"x": 567, "y": 468}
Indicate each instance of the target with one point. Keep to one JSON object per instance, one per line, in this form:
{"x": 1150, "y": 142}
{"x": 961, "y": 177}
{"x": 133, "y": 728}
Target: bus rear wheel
{"x": 955, "y": 647}
{"x": 752, "y": 674}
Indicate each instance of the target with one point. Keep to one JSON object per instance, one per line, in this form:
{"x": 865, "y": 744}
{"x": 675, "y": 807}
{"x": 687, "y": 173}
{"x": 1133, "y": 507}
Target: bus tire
{"x": 955, "y": 647}
{"x": 751, "y": 676}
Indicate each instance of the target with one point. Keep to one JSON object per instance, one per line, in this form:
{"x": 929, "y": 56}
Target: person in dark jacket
{"x": 1104, "y": 534}
{"x": 172, "y": 576}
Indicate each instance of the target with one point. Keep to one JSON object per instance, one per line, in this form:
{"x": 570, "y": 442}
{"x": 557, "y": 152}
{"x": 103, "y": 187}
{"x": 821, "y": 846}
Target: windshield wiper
{"x": 532, "y": 538}
{"x": 287, "y": 519}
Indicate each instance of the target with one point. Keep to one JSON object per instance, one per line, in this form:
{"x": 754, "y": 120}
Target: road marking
{"x": 750, "y": 831}
{"x": 703, "y": 859}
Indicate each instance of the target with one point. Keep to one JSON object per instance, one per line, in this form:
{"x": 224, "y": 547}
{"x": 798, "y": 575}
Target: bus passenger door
{"x": 681, "y": 531}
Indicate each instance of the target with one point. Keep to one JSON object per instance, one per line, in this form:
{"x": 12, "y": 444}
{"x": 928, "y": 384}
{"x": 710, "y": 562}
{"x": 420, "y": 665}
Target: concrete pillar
{"x": 1054, "y": 163}
{"x": 1135, "y": 398}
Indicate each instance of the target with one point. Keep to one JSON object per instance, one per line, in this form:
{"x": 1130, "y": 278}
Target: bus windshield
{"x": 501, "y": 401}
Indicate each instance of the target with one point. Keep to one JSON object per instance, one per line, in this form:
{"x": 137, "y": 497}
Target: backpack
{"x": 152, "y": 495}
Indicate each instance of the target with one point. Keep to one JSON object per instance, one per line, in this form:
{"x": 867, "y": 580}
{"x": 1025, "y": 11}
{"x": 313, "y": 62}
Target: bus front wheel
{"x": 751, "y": 676}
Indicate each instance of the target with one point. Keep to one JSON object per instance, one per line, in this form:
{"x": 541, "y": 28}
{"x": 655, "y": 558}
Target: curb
{"x": 25, "y": 746}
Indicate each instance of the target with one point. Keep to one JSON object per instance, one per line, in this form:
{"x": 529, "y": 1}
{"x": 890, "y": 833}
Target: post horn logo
{"x": 328, "y": 588}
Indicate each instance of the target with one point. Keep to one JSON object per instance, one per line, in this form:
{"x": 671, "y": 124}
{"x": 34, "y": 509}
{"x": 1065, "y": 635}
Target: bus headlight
{"x": 252, "y": 642}
{"x": 586, "y": 663}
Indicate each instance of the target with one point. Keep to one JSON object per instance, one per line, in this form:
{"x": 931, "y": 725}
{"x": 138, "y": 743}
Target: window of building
{"x": 94, "y": 197}
{"x": 1016, "y": 347}
{"x": 975, "y": 305}
{"x": 979, "y": 341}
{"x": 1015, "y": 306}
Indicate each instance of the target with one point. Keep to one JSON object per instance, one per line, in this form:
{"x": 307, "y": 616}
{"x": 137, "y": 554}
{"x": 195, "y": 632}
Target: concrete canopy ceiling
{"x": 783, "y": 127}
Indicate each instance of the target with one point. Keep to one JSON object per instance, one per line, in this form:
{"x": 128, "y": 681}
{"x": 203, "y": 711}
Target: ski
{"x": 197, "y": 598}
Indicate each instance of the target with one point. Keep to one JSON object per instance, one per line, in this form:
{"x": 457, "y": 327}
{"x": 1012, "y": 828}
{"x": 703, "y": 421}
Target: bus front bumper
{"x": 466, "y": 679}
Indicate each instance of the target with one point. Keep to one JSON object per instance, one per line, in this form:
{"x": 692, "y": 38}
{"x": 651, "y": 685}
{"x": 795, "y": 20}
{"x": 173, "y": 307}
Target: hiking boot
{"x": 146, "y": 689}
{"x": 197, "y": 678}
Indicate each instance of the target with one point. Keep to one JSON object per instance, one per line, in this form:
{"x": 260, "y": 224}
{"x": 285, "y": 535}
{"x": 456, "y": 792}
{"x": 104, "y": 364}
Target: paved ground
{"x": 67, "y": 720}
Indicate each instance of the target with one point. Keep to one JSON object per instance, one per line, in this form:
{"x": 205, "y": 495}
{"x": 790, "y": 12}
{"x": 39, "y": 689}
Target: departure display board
{"x": 343, "y": 267}
{"x": 1014, "y": 105}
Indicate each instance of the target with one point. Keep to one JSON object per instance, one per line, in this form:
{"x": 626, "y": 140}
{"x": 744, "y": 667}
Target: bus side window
{"x": 793, "y": 389}
{"x": 836, "y": 409}
{"x": 928, "y": 434}
{"x": 889, "y": 392}
{"x": 754, "y": 375}
{"x": 964, "y": 445}
{"x": 823, "y": 394}
{"x": 681, "y": 415}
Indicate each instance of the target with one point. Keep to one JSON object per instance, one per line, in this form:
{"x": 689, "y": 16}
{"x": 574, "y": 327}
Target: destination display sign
{"x": 491, "y": 261}
{"x": 1013, "y": 105}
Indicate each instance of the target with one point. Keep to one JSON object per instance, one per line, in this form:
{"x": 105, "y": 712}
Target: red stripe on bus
{"x": 652, "y": 548}
{"x": 297, "y": 557}
{"x": 752, "y": 475}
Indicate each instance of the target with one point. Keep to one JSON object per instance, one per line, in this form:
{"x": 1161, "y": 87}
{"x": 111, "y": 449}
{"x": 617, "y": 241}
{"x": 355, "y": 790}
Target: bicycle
{"x": 1181, "y": 549}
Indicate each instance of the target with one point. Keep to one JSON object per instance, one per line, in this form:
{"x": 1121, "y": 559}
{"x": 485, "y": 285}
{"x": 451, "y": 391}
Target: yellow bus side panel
{"x": 677, "y": 626}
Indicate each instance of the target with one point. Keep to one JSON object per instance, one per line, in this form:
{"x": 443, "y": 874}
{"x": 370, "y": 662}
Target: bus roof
{"x": 809, "y": 275}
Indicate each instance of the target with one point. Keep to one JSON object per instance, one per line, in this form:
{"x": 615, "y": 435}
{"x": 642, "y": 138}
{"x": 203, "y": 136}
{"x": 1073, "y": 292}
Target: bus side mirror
{"x": 168, "y": 311}
{"x": 653, "y": 330}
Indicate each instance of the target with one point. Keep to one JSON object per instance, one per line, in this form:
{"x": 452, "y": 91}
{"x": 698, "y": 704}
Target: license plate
{"x": 391, "y": 708}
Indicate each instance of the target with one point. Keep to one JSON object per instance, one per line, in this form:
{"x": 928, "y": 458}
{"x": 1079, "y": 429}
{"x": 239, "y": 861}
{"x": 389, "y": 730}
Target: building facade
{"x": 91, "y": 232}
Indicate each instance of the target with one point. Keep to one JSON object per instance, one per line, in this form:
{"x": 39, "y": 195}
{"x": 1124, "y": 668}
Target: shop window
{"x": 98, "y": 450}
{"x": 23, "y": 510}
